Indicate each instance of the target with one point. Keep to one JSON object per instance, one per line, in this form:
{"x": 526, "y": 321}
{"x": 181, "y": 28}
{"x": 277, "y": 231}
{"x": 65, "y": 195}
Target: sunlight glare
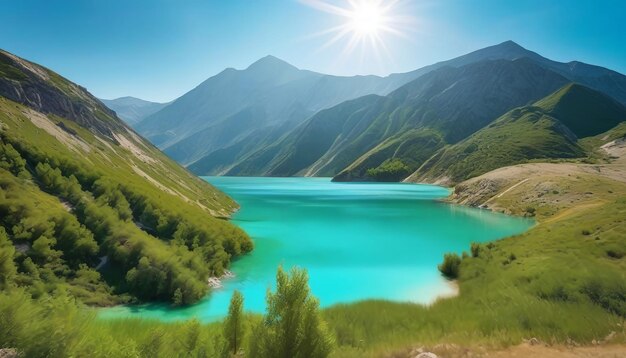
{"x": 366, "y": 18}
{"x": 366, "y": 23}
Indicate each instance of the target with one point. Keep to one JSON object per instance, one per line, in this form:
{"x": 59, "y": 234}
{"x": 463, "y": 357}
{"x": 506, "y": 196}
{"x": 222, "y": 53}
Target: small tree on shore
{"x": 234, "y": 329}
{"x": 450, "y": 265}
{"x": 293, "y": 327}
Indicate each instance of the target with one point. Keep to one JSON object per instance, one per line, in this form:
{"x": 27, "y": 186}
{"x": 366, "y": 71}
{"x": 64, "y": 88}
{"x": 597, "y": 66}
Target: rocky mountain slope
{"x": 411, "y": 123}
{"x": 236, "y": 107}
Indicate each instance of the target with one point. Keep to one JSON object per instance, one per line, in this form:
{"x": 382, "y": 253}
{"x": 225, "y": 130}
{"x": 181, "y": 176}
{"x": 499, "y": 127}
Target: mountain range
{"x": 273, "y": 119}
{"x": 133, "y": 110}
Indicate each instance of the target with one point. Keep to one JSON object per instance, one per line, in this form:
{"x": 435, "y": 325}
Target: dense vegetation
{"x": 104, "y": 216}
{"x": 392, "y": 170}
{"x": 56, "y": 326}
{"x": 90, "y": 208}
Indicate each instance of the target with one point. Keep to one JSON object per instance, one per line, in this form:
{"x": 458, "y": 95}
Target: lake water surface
{"x": 357, "y": 240}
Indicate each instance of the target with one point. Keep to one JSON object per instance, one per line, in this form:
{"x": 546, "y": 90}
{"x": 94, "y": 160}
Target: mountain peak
{"x": 510, "y": 44}
{"x": 509, "y": 50}
{"x": 270, "y": 62}
{"x": 585, "y": 111}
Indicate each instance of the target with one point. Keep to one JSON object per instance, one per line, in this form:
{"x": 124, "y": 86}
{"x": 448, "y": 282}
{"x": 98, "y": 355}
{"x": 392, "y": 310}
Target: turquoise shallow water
{"x": 357, "y": 240}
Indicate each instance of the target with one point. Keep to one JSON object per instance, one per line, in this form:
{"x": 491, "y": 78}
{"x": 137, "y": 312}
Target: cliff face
{"x": 45, "y": 91}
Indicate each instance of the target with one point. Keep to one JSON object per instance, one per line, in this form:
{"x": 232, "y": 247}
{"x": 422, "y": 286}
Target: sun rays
{"x": 366, "y": 25}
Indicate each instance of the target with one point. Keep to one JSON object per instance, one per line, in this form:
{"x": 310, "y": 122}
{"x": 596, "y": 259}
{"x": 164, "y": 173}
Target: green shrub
{"x": 293, "y": 326}
{"x": 475, "y": 249}
{"x": 608, "y": 293}
{"x": 450, "y": 265}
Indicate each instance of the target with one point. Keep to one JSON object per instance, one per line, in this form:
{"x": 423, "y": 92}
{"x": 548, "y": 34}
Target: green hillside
{"x": 407, "y": 150}
{"x": 92, "y": 208}
{"x": 549, "y": 129}
{"x": 585, "y": 111}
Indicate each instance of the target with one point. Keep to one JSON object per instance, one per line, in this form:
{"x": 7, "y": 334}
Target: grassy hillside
{"x": 584, "y": 111}
{"x": 409, "y": 150}
{"x": 92, "y": 208}
{"x": 549, "y": 129}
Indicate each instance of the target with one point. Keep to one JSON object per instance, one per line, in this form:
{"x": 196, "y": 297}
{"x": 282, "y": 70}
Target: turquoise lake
{"x": 357, "y": 240}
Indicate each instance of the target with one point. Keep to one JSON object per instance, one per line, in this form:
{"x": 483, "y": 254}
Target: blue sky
{"x": 160, "y": 49}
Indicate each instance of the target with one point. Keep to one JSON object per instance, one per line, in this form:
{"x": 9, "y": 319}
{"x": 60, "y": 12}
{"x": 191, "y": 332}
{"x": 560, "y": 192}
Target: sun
{"x": 364, "y": 23}
{"x": 366, "y": 18}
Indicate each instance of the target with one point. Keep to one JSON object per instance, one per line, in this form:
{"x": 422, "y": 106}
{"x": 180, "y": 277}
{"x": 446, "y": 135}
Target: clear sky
{"x": 160, "y": 49}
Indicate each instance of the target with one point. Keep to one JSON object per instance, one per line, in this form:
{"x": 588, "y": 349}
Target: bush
{"x": 615, "y": 253}
{"x": 293, "y": 326}
{"x": 608, "y": 293}
{"x": 475, "y": 249}
{"x": 450, "y": 265}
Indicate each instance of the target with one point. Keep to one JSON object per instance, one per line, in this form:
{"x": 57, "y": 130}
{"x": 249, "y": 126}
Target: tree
{"x": 450, "y": 266}
{"x": 234, "y": 329}
{"x": 293, "y": 326}
{"x": 7, "y": 265}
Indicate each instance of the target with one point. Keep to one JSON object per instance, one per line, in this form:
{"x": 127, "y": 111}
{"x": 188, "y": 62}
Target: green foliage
{"x": 475, "y": 249}
{"x": 11, "y": 160}
{"x": 55, "y": 326}
{"x": 450, "y": 266}
{"x": 8, "y": 271}
{"x": 234, "y": 326}
{"x": 293, "y": 326}
{"x": 391, "y": 171}
{"x": 77, "y": 211}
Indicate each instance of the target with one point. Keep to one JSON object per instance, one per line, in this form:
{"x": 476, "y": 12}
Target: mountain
{"x": 595, "y": 77}
{"x": 132, "y": 110}
{"x": 90, "y": 208}
{"x": 234, "y": 147}
{"x": 271, "y": 97}
{"x": 548, "y": 129}
{"x": 411, "y": 123}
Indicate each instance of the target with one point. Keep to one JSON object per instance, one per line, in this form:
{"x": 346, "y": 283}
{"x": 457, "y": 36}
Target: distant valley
{"x": 133, "y": 110}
